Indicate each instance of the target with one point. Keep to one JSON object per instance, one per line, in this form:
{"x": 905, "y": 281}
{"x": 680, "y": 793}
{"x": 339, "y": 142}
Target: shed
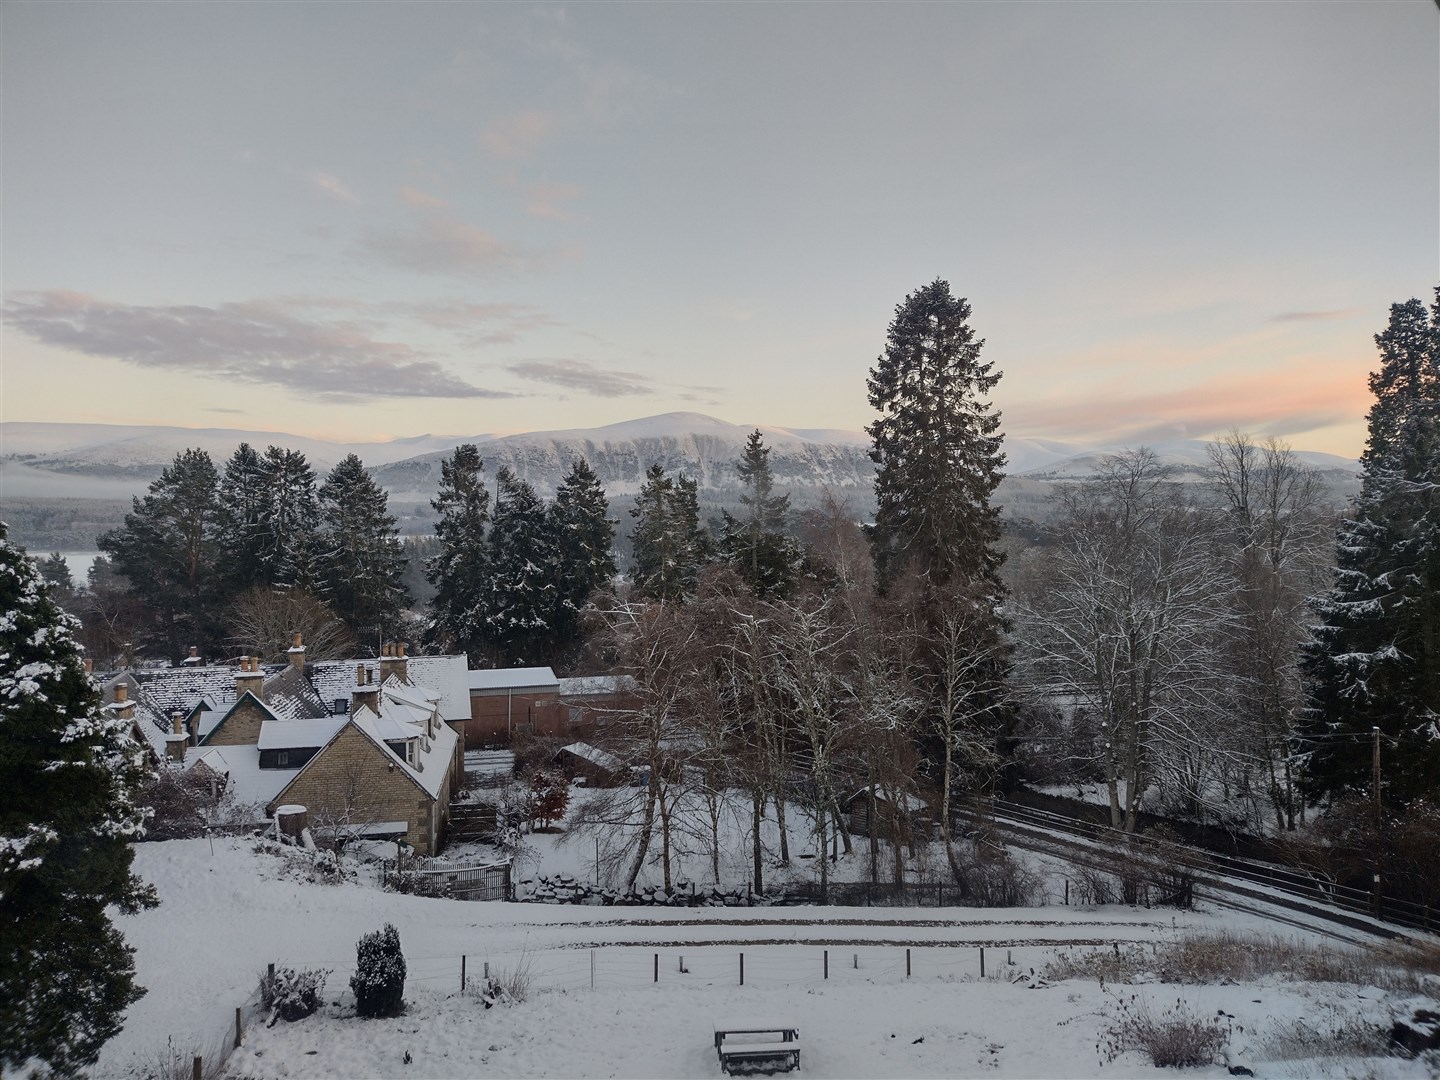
{"x": 872, "y": 803}
{"x": 599, "y": 768}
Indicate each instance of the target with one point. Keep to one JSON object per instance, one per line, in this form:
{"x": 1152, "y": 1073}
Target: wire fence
{"x": 635, "y": 967}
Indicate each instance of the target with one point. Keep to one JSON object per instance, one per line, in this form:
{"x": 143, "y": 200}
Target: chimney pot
{"x": 89, "y": 666}
{"x": 122, "y": 692}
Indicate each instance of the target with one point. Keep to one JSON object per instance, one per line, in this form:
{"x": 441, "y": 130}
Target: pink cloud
{"x": 332, "y": 187}
{"x": 413, "y": 196}
{"x": 520, "y": 134}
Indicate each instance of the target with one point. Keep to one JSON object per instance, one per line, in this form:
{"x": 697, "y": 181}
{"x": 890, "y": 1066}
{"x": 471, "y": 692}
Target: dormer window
{"x": 282, "y": 758}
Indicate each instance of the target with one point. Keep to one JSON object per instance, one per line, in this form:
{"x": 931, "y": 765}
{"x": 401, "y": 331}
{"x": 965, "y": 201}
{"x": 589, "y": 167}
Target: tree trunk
{"x": 647, "y": 826}
{"x": 784, "y": 832}
{"x": 757, "y": 802}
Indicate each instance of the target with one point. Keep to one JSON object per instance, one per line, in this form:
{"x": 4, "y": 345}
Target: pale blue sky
{"x": 370, "y": 220}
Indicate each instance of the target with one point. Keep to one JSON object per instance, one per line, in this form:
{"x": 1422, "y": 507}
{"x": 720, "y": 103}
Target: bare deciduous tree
{"x": 263, "y": 620}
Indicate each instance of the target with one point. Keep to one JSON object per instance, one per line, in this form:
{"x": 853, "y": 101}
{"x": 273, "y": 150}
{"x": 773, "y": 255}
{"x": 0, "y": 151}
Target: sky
{"x": 365, "y": 221}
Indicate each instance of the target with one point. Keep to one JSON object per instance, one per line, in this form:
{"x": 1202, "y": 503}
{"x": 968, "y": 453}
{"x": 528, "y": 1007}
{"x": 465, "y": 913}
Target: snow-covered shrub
{"x": 292, "y": 995}
{"x": 490, "y": 992}
{"x": 379, "y": 979}
{"x": 413, "y": 883}
{"x": 1176, "y": 1037}
{"x": 180, "y": 804}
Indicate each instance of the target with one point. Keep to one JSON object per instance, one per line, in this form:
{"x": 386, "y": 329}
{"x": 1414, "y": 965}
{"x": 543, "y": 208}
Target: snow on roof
{"x": 289, "y": 694}
{"x": 421, "y": 697}
{"x": 241, "y": 764}
{"x": 290, "y": 734}
{"x": 596, "y": 685}
{"x": 595, "y": 756}
{"x": 518, "y": 678}
{"x": 444, "y": 675}
{"x": 181, "y": 688}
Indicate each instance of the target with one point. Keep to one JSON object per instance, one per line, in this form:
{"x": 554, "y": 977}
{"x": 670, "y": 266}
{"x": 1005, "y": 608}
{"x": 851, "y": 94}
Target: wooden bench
{"x": 781, "y": 1050}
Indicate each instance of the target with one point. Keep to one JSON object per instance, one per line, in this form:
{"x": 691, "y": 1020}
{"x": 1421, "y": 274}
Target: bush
{"x": 995, "y": 879}
{"x": 414, "y": 883}
{"x": 379, "y": 979}
{"x": 292, "y": 995}
{"x": 1174, "y": 1038}
{"x": 180, "y": 803}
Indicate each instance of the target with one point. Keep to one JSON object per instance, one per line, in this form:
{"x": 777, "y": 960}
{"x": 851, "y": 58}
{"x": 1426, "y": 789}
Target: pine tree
{"x": 166, "y": 551}
{"x": 756, "y": 543}
{"x": 520, "y": 598}
{"x": 66, "y": 822}
{"x": 289, "y": 547}
{"x": 362, "y": 560}
{"x": 461, "y": 569}
{"x": 669, "y": 543}
{"x": 584, "y": 536}
{"x": 937, "y": 444}
{"x": 1376, "y": 658}
{"x": 241, "y": 522}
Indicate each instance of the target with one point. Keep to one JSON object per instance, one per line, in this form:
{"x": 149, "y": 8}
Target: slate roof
{"x": 597, "y": 685}
{"x": 293, "y": 734}
{"x": 248, "y": 782}
{"x": 291, "y": 695}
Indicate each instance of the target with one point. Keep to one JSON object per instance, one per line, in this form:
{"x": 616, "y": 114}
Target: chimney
{"x": 122, "y": 706}
{"x": 178, "y": 739}
{"x": 366, "y": 692}
{"x": 296, "y": 652}
{"x": 250, "y": 678}
{"x": 193, "y": 660}
{"x": 89, "y": 666}
{"x": 393, "y": 662}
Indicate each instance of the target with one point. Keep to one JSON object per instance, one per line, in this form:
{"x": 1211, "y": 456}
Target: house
{"x": 366, "y": 746}
{"x": 506, "y": 702}
{"x": 875, "y": 805}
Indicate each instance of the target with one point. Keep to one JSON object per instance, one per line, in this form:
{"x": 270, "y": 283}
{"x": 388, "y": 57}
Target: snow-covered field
{"x": 596, "y": 1008}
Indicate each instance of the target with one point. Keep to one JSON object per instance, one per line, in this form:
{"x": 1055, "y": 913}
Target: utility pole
{"x": 1379, "y": 819}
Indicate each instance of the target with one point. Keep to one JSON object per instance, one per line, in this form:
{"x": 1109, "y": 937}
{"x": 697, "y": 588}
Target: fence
{"x": 617, "y": 966}
{"x": 488, "y": 882}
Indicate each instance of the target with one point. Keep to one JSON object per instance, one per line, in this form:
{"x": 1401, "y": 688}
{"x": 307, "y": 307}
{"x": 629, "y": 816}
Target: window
{"x": 282, "y": 758}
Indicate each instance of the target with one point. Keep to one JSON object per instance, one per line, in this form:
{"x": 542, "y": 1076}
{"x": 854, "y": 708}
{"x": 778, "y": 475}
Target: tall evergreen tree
{"x": 1376, "y": 658}
{"x": 669, "y": 543}
{"x": 937, "y": 444}
{"x": 241, "y": 523}
{"x": 461, "y": 569}
{"x": 584, "y": 537}
{"x": 166, "y": 551}
{"x": 519, "y": 601}
{"x": 756, "y": 543}
{"x": 66, "y": 822}
{"x": 290, "y": 549}
{"x": 362, "y": 559}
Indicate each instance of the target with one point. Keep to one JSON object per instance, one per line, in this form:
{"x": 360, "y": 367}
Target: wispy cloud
{"x": 520, "y": 134}
{"x": 1299, "y": 398}
{"x": 547, "y": 201}
{"x": 439, "y": 242}
{"x": 413, "y": 196}
{"x": 583, "y": 376}
{"x": 254, "y": 342}
{"x": 332, "y": 187}
{"x": 1315, "y": 316}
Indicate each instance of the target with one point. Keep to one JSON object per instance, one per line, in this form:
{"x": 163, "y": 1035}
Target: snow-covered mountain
{"x": 54, "y": 464}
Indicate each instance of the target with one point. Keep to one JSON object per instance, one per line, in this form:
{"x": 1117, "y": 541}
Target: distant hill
{"x": 49, "y": 472}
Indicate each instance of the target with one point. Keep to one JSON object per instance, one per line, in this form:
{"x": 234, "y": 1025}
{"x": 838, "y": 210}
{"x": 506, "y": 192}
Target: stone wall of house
{"x": 354, "y": 777}
{"x": 240, "y": 727}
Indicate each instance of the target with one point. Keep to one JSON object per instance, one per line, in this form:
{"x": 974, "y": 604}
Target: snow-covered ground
{"x": 597, "y": 1009}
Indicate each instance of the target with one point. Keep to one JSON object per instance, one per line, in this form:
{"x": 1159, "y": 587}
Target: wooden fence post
{"x": 907, "y": 963}
{"x": 462, "y": 973}
{"x": 239, "y": 1027}
{"x": 197, "y": 1068}
{"x": 742, "y": 969}
{"x": 657, "y": 967}
{"x": 982, "y": 961}
{"x": 827, "y": 963}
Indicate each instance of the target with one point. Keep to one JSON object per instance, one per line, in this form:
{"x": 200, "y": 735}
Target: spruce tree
{"x": 669, "y": 543}
{"x": 584, "y": 537}
{"x": 756, "y": 543}
{"x": 67, "y": 818}
{"x": 461, "y": 569}
{"x": 937, "y": 444}
{"x": 166, "y": 551}
{"x": 519, "y": 600}
{"x": 1375, "y": 661}
{"x": 289, "y": 547}
{"x": 241, "y": 522}
{"x": 362, "y": 560}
